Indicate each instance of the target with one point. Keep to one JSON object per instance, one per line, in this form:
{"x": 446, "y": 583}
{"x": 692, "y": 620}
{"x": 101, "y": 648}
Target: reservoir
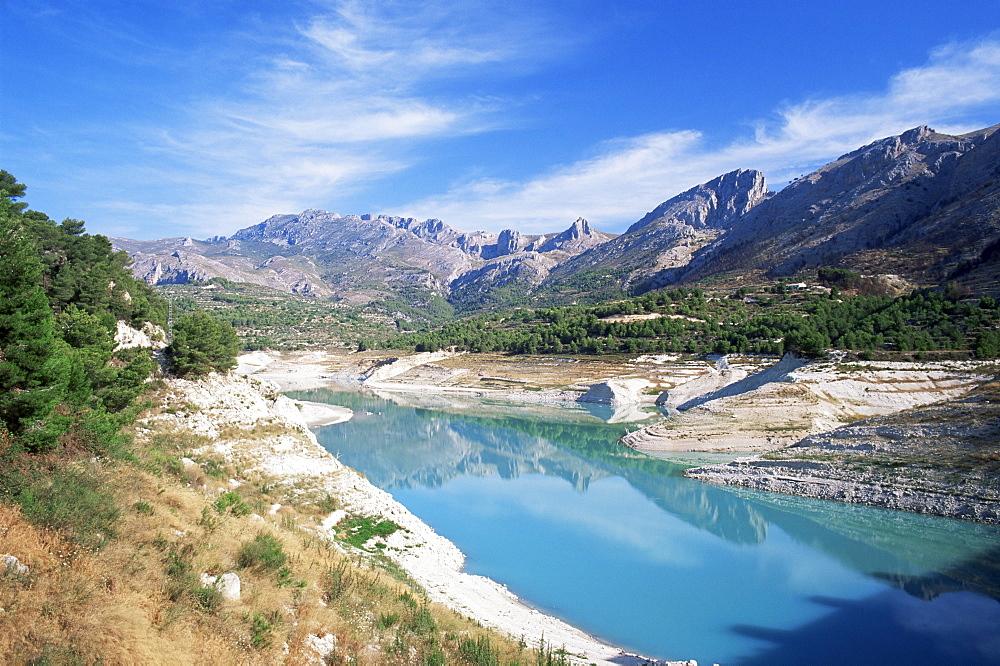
{"x": 545, "y": 501}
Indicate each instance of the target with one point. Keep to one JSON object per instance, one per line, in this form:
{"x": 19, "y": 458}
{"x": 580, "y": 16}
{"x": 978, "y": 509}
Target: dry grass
{"x": 139, "y": 599}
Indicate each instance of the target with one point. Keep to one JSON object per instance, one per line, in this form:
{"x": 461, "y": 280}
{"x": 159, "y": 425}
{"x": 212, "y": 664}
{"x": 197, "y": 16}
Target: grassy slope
{"x": 139, "y": 598}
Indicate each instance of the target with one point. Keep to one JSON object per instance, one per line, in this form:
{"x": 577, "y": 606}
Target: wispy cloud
{"x": 393, "y": 41}
{"x": 957, "y": 90}
{"x": 334, "y": 104}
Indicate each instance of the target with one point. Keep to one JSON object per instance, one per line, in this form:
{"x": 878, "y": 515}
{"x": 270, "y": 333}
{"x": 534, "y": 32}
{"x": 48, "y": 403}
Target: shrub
{"x": 233, "y": 502}
{"x": 208, "y": 598}
{"x": 338, "y": 581}
{"x": 479, "y": 651}
{"x": 261, "y": 627}
{"x": 422, "y": 622}
{"x": 264, "y": 552}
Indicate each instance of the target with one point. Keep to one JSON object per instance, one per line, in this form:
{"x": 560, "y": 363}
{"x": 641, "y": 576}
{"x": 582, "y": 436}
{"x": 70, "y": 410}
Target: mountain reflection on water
{"x": 405, "y": 447}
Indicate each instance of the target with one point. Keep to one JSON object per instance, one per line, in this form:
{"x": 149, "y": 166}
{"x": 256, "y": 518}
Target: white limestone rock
{"x": 13, "y": 564}
{"x": 227, "y": 584}
{"x": 150, "y": 336}
{"x": 323, "y": 645}
{"x": 617, "y": 392}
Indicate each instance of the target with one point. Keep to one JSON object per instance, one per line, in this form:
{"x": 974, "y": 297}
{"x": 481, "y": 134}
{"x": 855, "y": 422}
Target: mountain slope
{"x": 665, "y": 239}
{"x": 360, "y": 258}
{"x": 922, "y": 204}
{"x": 924, "y": 197}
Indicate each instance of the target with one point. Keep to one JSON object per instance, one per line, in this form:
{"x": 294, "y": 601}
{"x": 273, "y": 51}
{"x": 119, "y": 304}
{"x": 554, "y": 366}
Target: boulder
{"x": 616, "y": 392}
{"x": 13, "y": 564}
{"x": 150, "y": 336}
{"x": 323, "y": 646}
{"x": 228, "y": 585}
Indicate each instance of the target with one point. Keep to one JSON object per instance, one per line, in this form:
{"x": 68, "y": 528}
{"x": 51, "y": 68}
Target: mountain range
{"x": 922, "y": 205}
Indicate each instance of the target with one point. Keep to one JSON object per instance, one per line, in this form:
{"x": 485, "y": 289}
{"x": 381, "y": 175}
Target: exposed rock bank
{"x": 779, "y": 405}
{"x": 943, "y": 459}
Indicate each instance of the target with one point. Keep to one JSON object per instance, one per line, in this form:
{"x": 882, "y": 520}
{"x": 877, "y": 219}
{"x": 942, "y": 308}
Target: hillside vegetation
{"x": 745, "y": 321}
{"x": 107, "y": 537}
{"x": 267, "y": 318}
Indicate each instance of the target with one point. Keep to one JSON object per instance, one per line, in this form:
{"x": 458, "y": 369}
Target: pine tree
{"x": 34, "y": 367}
{"x": 202, "y": 344}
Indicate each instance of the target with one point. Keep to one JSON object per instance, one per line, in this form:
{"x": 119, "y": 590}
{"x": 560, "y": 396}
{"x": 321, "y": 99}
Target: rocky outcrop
{"x": 777, "y": 406}
{"x": 150, "y": 336}
{"x": 577, "y": 238}
{"x": 716, "y": 204}
{"x": 686, "y": 391}
{"x": 398, "y": 366}
{"x": 522, "y": 264}
{"x": 508, "y": 242}
{"x": 617, "y": 392}
{"x": 667, "y": 238}
{"x": 939, "y": 459}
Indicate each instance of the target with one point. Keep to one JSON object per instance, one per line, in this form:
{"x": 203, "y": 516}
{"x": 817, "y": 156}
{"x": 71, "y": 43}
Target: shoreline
{"x": 870, "y": 391}
{"x": 431, "y": 560}
{"x": 883, "y": 461}
{"x": 318, "y": 414}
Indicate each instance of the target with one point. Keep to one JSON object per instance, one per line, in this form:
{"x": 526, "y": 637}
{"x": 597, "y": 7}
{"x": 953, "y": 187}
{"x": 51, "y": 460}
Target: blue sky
{"x": 150, "y": 119}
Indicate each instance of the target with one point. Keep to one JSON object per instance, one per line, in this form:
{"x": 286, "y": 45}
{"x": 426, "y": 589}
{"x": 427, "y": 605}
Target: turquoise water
{"x": 626, "y": 548}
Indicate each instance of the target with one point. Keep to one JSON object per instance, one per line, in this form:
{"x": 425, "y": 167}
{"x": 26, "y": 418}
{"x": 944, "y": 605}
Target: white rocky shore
{"x": 739, "y": 409}
{"x": 291, "y": 454}
{"x": 939, "y": 459}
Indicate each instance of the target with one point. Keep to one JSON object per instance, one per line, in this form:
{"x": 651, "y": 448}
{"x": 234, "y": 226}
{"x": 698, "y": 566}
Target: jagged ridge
{"x": 922, "y": 204}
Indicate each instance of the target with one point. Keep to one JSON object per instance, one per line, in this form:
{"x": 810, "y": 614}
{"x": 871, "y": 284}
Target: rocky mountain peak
{"x": 891, "y": 194}
{"x": 579, "y": 229}
{"x": 716, "y": 204}
{"x": 577, "y": 238}
{"x": 509, "y": 242}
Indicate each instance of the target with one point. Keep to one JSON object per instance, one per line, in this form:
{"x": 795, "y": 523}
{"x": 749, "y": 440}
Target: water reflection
{"x": 428, "y": 447}
{"x": 409, "y": 449}
{"x": 621, "y": 413}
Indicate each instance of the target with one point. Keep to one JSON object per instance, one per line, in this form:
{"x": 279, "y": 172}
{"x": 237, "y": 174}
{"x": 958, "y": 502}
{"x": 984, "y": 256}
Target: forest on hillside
{"x": 781, "y": 319}
{"x": 62, "y": 293}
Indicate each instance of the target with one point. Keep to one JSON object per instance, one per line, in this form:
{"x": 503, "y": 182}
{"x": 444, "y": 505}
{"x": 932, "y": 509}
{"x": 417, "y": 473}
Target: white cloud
{"x": 358, "y": 40}
{"x": 337, "y": 105}
{"x": 957, "y": 90}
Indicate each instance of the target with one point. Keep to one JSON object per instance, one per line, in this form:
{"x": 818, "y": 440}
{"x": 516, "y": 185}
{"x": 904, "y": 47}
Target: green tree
{"x": 988, "y": 344}
{"x": 202, "y": 344}
{"x": 34, "y": 367}
{"x": 10, "y": 189}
